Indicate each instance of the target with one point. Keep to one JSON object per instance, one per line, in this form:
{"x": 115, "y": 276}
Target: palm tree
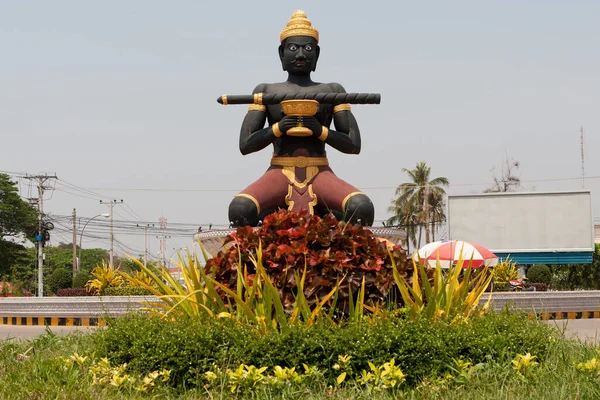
{"x": 419, "y": 191}
{"x": 437, "y": 207}
{"x": 406, "y": 215}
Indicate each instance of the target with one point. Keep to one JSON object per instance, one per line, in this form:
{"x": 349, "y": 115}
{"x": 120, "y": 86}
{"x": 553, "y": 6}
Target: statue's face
{"x": 299, "y": 54}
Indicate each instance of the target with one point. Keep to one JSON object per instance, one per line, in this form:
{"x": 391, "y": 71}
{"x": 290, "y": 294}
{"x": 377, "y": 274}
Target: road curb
{"x": 52, "y": 321}
{"x": 566, "y": 315}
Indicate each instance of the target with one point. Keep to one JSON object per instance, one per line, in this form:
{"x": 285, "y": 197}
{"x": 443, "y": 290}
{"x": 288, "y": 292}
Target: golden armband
{"x": 341, "y": 107}
{"x": 324, "y": 134}
{"x": 275, "y": 129}
{"x": 256, "y": 107}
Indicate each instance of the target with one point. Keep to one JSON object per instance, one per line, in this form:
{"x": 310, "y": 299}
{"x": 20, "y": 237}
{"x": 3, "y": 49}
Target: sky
{"x": 118, "y": 99}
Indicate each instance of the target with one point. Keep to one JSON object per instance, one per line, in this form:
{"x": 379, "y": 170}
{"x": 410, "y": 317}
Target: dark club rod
{"x": 323, "y": 98}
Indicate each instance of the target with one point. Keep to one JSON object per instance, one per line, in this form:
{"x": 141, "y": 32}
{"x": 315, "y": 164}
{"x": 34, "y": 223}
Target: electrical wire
{"x": 363, "y": 188}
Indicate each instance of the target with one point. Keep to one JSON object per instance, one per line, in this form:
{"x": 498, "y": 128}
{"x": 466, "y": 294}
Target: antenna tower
{"x": 582, "y": 159}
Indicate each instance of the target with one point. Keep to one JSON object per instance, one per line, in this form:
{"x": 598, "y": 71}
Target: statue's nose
{"x": 300, "y": 55}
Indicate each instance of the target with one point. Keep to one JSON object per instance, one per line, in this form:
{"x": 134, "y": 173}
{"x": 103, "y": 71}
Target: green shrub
{"x": 577, "y": 276}
{"x": 505, "y": 272}
{"x": 81, "y": 279}
{"x": 421, "y": 348}
{"x": 539, "y": 273}
{"x": 125, "y": 291}
{"x": 105, "y": 276}
{"x": 60, "y": 278}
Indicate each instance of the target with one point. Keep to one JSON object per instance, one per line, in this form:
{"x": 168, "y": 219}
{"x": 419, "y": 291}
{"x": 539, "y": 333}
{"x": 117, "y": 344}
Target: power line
{"x": 84, "y": 190}
{"x": 363, "y": 187}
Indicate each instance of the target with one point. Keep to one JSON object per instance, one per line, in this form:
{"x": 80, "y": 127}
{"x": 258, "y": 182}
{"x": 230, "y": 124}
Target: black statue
{"x": 299, "y": 176}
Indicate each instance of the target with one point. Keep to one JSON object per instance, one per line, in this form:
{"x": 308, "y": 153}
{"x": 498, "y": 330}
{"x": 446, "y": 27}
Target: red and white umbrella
{"x": 449, "y": 253}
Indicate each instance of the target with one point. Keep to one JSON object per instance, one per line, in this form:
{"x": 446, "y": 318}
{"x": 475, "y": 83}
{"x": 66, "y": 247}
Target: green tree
{"x": 17, "y": 223}
{"x": 577, "y": 276}
{"x": 416, "y": 194}
{"x": 60, "y": 278}
{"x": 61, "y": 256}
{"x": 128, "y": 265}
{"x": 92, "y": 257}
{"x": 406, "y": 215}
{"x": 24, "y": 268}
{"x": 81, "y": 279}
{"x": 437, "y": 207}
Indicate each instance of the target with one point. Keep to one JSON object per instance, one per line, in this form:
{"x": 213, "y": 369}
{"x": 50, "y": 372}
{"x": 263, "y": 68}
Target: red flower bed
{"x": 328, "y": 248}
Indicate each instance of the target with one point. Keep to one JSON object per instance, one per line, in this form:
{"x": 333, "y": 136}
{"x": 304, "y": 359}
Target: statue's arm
{"x": 253, "y": 135}
{"x": 346, "y": 136}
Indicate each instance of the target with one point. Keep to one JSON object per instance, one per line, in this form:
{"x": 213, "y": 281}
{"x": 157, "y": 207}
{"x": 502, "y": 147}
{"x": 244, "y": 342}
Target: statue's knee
{"x": 359, "y": 209}
{"x": 242, "y": 212}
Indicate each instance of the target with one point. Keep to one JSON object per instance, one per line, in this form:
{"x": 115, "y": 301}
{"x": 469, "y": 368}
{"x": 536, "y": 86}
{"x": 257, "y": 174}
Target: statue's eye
{"x": 308, "y": 47}
{"x": 293, "y": 47}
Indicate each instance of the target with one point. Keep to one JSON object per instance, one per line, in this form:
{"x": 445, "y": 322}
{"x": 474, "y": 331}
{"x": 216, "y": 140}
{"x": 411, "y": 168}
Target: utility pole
{"x": 426, "y": 210}
{"x": 41, "y": 179}
{"x": 75, "y": 242}
{"x": 146, "y": 242}
{"x": 112, "y": 236}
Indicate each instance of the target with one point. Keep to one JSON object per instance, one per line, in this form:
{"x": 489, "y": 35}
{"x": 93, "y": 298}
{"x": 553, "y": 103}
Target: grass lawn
{"x": 72, "y": 366}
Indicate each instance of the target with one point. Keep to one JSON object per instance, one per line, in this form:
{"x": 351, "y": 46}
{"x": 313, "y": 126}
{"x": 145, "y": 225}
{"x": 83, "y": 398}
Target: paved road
{"x": 15, "y": 332}
{"x": 587, "y": 330}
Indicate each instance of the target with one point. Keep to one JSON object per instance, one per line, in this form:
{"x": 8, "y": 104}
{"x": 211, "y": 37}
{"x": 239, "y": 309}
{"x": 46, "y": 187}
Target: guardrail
{"x": 93, "y": 309}
{"x": 67, "y": 311}
{"x": 85, "y": 306}
{"x": 586, "y": 303}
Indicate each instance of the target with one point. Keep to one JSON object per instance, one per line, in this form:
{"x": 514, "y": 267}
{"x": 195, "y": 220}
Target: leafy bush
{"x": 73, "y": 292}
{"x": 420, "y": 347}
{"x": 330, "y": 251}
{"x": 258, "y": 297}
{"x": 539, "y": 273}
{"x": 60, "y": 278}
{"x": 105, "y": 277}
{"x": 577, "y": 276}
{"x": 81, "y": 278}
{"x": 125, "y": 291}
{"x": 505, "y": 272}
{"x": 455, "y": 295}
{"x": 255, "y": 301}
{"x": 138, "y": 277}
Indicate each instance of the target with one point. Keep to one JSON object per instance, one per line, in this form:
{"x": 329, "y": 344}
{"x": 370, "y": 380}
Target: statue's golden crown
{"x": 299, "y": 25}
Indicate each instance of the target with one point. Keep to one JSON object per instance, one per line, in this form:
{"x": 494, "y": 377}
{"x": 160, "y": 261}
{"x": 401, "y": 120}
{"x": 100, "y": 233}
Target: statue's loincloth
{"x": 300, "y": 172}
{"x": 301, "y": 183}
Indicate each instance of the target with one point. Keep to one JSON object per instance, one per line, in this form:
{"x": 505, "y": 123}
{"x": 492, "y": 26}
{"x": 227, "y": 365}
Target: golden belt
{"x": 299, "y": 162}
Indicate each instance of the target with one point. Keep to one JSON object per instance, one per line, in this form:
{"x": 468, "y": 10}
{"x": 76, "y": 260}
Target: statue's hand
{"x": 313, "y": 124}
{"x": 286, "y": 123}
